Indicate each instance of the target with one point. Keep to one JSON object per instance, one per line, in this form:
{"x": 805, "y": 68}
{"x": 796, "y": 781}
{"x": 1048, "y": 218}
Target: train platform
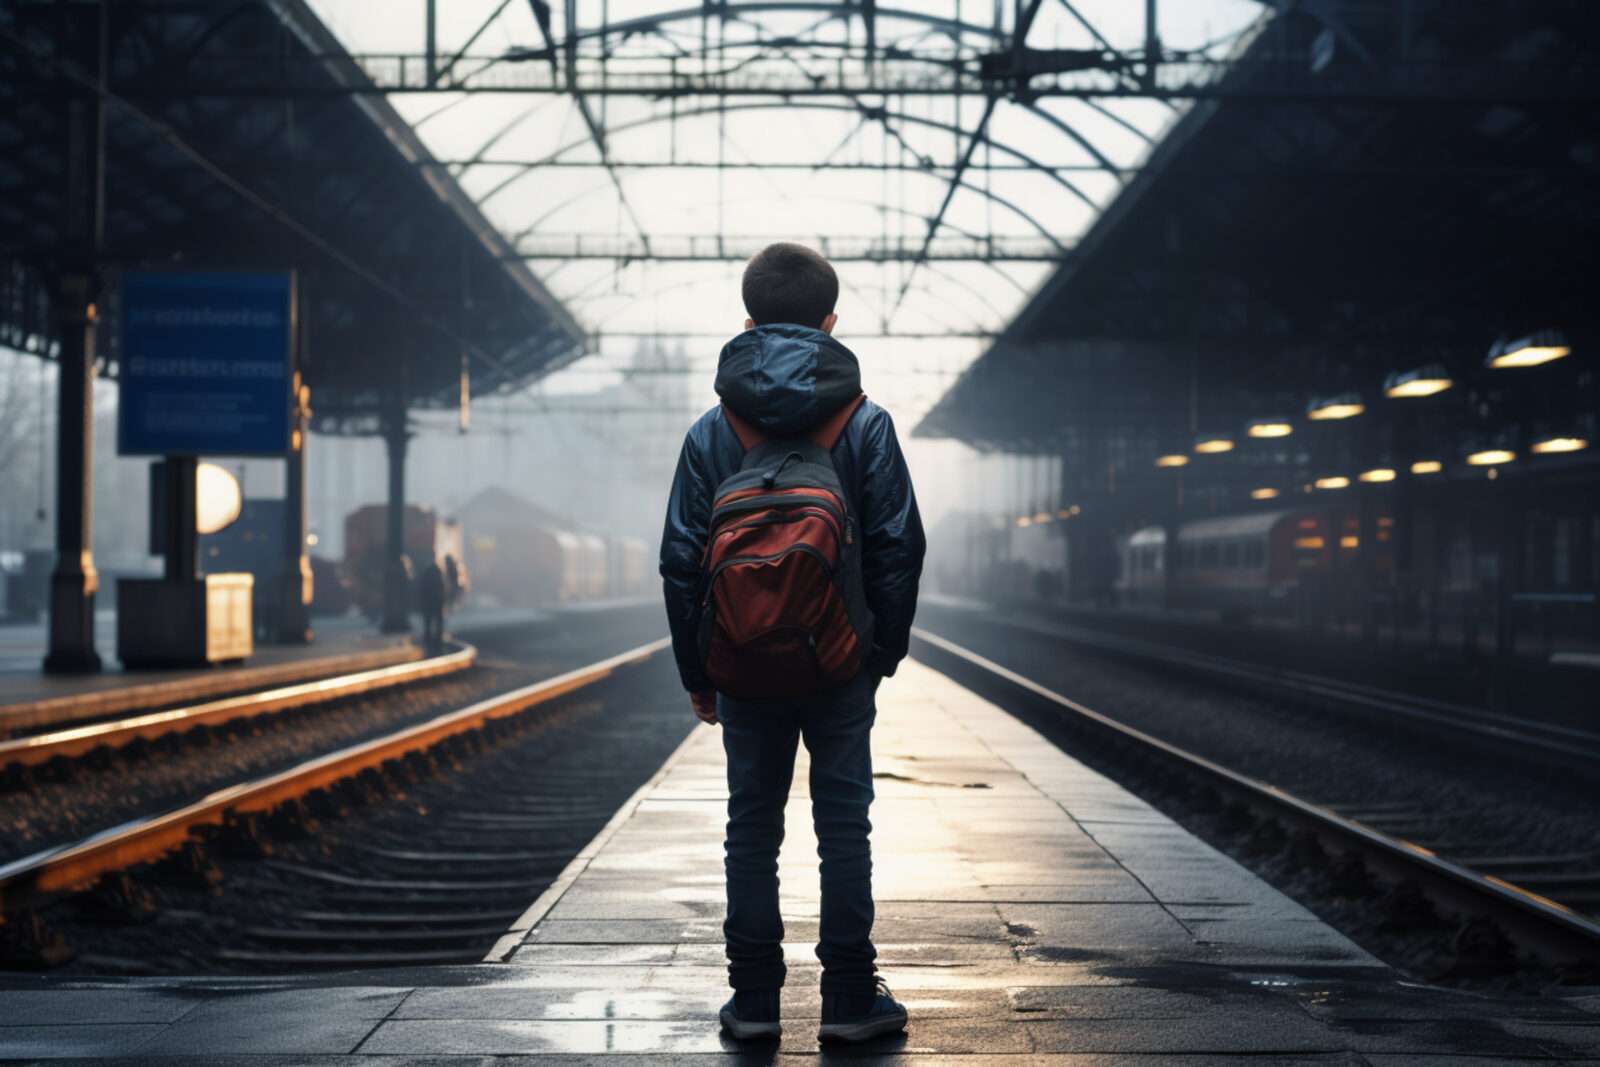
{"x": 1029, "y": 911}
{"x": 30, "y": 699}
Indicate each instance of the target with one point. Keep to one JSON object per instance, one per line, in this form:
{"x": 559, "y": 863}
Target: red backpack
{"x": 783, "y": 611}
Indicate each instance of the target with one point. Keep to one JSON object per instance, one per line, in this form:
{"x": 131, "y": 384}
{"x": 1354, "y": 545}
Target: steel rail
{"x": 75, "y": 741}
{"x": 57, "y": 870}
{"x": 1550, "y": 738}
{"x": 75, "y": 708}
{"x": 1533, "y": 922}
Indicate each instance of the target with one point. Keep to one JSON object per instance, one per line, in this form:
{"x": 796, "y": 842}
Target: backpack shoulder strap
{"x": 748, "y": 435}
{"x": 827, "y": 435}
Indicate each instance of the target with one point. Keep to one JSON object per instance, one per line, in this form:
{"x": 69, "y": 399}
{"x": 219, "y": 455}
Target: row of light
{"x": 1045, "y": 516}
{"x": 1542, "y": 346}
{"x": 1489, "y": 457}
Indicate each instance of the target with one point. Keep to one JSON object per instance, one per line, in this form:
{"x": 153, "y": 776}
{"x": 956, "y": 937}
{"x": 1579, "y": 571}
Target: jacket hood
{"x": 786, "y": 379}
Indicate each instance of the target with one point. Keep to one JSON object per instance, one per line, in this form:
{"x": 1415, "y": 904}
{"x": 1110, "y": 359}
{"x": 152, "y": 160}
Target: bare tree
{"x": 21, "y": 445}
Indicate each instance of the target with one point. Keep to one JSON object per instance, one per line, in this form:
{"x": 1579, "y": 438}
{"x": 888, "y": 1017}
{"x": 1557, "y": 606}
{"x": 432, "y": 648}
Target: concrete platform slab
{"x": 32, "y": 700}
{"x": 1087, "y": 932}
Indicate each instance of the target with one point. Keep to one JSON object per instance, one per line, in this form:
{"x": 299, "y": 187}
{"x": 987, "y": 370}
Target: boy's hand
{"x": 705, "y": 705}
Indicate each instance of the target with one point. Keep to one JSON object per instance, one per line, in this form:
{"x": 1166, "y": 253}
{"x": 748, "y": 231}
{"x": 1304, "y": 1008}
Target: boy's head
{"x": 787, "y": 282}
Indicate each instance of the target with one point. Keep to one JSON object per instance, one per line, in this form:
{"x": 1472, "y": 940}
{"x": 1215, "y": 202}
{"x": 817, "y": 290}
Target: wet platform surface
{"x": 1029, "y": 911}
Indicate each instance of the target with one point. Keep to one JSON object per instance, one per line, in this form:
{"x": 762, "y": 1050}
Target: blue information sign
{"x": 206, "y": 364}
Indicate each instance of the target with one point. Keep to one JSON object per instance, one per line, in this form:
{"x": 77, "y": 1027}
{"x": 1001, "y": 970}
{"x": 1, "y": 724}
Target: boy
{"x": 782, "y": 378}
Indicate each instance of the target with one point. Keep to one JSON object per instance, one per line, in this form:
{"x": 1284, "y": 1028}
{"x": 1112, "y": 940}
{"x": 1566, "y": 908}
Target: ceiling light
{"x": 1044, "y": 516}
{"x": 1490, "y": 456}
{"x": 1560, "y": 444}
{"x": 1263, "y": 494}
{"x": 1213, "y": 442}
{"x": 1271, "y": 427}
{"x": 1378, "y": 474}
{"x": 1342, "y": 406}
{"x": 1025, "y": 521}
{"x": 1177, "y": 459}
{"x": 1539, "y": 347}
{"x": 1427, "y": 466}
{"x": 1424, "y": 381}
{"x": 1063, "y": 514}
{"x": 1337, "y": 481}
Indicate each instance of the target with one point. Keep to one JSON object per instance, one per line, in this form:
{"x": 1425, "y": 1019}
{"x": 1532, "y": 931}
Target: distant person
{"x": 430, "y": 598}
{"x": 453, "y": 586}
{"x": 783, "y": 627}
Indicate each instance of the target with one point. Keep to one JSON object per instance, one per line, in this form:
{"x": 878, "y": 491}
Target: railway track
{"x": 1549, "y": 739}
{"x": 288, "y": 870}
{"x": 1572, "y": 876}
{"x": 33, "y": 750}
{"x": 1554, "y": 932}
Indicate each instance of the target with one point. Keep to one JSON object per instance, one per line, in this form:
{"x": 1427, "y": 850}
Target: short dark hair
{"x": 786, "y": 282}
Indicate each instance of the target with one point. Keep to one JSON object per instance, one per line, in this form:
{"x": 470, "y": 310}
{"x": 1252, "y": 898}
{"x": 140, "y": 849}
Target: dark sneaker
{"x": 752, "y": 1014}
{"x": 854, "y": 1018}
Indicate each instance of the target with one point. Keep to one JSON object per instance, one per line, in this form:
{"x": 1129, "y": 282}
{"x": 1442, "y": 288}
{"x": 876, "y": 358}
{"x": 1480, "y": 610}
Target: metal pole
{"x": 396, "y": 579}
{"x": 433, "y": 44}
{"x": 294, "y": 575}
{"x": 1152, "y": 44}
{"x": 74, "y": 580}
{"x": 180, "y": 538}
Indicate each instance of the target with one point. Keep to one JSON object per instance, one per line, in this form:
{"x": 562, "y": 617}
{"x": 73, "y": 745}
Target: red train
{"x": 1249, "y": 562}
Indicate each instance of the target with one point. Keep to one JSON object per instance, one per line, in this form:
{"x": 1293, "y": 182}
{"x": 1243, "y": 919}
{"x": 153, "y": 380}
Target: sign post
{"x": 207, "y": 368}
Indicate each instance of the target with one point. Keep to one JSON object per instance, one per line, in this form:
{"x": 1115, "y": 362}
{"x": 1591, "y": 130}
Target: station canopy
{"x": 241, "y": 136}
{"x": 635, "y": 153}
{"x": 1370, "y": 190}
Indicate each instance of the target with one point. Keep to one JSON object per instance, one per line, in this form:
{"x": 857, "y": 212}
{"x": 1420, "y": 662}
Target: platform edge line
{"x": 513, "y": 937}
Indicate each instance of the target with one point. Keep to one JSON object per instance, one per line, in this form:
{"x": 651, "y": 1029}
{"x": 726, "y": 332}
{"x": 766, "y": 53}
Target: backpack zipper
{"x": 711, "y": 578}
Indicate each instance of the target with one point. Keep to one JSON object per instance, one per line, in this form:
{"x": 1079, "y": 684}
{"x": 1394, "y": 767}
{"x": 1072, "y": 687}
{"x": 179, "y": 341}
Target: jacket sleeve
{"x": 892, "y": 543}
{"x": 683, "y": 543}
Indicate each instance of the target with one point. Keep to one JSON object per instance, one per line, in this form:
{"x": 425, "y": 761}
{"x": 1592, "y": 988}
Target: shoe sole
{"x": 865, "y": 1030}
{"x": 748, "y": 1031}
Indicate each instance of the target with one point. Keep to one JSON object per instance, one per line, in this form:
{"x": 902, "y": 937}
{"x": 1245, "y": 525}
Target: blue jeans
{"x": 760, "y": 737}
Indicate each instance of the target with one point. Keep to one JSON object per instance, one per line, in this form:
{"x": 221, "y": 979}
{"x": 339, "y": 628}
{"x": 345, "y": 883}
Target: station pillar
{"x": 1512, "y": 499}
{"x": 294, "y": 571}
{"x": 396, "y": 575}
{"x": 1170, "y": 562}
{"x": 179, "y": 531}
{"x": 74, "y": 580}
{"x": 1367, "y": 555}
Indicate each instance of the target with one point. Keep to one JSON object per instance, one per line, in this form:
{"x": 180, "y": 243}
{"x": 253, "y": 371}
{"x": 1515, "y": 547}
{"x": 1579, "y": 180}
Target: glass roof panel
{"x": 636, "y": 207}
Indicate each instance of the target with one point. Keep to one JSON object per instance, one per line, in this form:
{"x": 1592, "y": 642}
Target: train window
{"x": 1230, "y": 554}
{"x": 1254, "y": 553}
{"x": 1208, "y": 555}
{"x": 1307, "y": 551}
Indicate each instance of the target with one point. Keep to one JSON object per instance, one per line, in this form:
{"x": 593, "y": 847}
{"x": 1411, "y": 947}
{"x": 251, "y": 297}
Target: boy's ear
{"x": 828, "y": 324}
{"x": 749, "y": 324}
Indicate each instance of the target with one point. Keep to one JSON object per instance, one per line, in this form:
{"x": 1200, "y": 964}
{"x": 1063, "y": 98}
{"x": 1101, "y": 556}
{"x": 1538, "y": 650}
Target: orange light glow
{"x": 1560, "y": 444}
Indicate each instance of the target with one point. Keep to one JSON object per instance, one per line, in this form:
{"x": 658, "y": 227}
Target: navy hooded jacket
{"x": 786, "y": 380}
